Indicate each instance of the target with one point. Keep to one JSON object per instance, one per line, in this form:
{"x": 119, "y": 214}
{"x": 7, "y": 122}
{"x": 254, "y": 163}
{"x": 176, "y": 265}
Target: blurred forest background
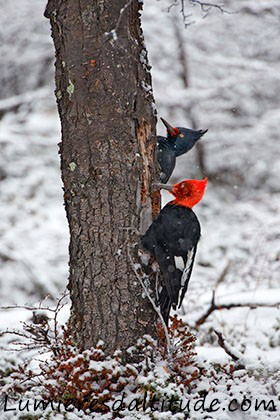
{"x": 220, "y": 72}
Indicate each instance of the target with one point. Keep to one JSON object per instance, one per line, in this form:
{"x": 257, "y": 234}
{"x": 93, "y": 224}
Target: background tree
{"x": 105, "y": 102}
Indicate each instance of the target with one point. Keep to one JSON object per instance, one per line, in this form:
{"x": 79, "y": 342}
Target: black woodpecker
{"x": 179, "y": 140}
{"x": 172, "y": 239}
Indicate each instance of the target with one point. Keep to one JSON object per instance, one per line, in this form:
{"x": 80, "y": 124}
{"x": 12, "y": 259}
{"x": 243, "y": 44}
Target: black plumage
{"x": 186, "y": 139}
{"x": 179, "y": 141}
{"x": 172, "y": 239}
{"x": 166, "y": 157}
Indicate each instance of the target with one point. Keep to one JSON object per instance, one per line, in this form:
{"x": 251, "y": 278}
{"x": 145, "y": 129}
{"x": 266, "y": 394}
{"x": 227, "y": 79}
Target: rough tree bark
{"x": 105, "y": 102}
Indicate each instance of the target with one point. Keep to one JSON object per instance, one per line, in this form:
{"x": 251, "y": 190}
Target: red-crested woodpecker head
{"x": 187, "y": 193}
{"x": 172, "y": 131}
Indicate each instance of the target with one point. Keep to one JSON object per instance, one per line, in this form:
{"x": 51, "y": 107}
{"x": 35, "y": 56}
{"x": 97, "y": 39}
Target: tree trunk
{"x": 105, "y": 102}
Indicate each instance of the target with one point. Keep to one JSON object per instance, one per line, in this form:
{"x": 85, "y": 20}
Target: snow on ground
{"x": 232, "y": 60}
{"x": 234, "y": 84}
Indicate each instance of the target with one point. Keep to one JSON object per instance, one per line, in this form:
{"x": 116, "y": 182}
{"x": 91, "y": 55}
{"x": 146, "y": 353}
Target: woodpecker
{"x": 172, "y": 239}
{"x": 166, "y": 157}
{"x": 179, "y": 140}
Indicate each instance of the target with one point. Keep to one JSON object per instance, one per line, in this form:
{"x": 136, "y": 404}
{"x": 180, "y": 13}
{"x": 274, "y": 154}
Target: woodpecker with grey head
{"x": 179, "y": 140}
{"x": 172, "y": 239}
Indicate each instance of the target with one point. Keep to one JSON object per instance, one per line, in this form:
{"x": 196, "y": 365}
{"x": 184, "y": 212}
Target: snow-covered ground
{"x": 233, "y": 74}
{"x": 234, "y": 84}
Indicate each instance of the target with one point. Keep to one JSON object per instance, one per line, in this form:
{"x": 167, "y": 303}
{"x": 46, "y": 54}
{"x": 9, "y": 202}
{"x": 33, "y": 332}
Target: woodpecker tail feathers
{"x": 165, "y": 305}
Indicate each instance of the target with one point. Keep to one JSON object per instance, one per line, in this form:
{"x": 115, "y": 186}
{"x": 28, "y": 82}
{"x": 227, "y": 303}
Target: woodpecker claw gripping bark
{"x": 172, "y": 239}
{"x": 179, "y": 140}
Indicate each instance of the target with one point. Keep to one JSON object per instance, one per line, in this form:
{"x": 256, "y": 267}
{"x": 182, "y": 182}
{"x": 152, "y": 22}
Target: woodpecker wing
{"x": 166, "y": 158}
{"x": 164, "y": 297}
{"x": 187, "y": 273}
{"x": 165, "y": 305}
{"x": 171, "y": 275}
{"x": 172, "y": 239}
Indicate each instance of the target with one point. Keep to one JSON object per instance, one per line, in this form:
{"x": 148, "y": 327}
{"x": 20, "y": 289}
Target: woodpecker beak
{"x": 172, "y": 131}
{"x": 205, "y": 180}
{"x": 167, "y": 187}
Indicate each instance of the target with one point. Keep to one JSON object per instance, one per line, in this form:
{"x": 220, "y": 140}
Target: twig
{"x": 175, "y": 3}
{"x": 213, "y": 307}
{"x": 209, "y": 311}
{"x": 28, "y": 308}
{"x": 223, "y": 274}
{"x": 37, "y": 333}
{"x": 206, "y": 7}
{"x": 233, "y": 353}
{"x": 156, "y": 308}
{"x": 59, "y": 306}
{"x": 40, "y": 308}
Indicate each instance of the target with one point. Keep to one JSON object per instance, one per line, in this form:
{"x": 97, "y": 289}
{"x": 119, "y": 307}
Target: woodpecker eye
{"x": 181, "y": 135}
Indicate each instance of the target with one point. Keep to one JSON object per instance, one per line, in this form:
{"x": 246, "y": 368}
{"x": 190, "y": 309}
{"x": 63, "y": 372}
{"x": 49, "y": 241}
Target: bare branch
{"x": 175, "y": 3}
{"x": 58, "y": 306}
{"x": 36, "y": 337}
{"x": 209, "y": 311}
{"x": 223, "y": 274}
{"x": 213, "y": 307}
{"x": 38, "y": 333}
{"x": 206, "y": 7}
{"x": 233, "y": 353}
{"x": 28, "y": 308}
